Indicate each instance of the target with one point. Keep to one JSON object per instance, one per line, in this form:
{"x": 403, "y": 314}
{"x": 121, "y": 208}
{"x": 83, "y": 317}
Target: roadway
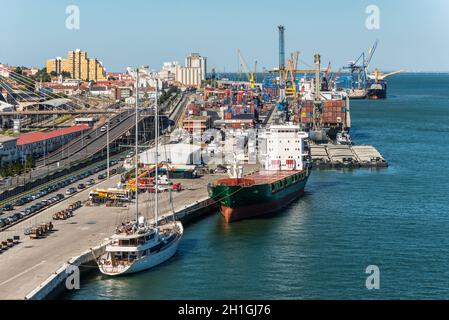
{"x": 58, "y": 112}
{"x": 78, "y": 145}
{"x": 90, "y": 143}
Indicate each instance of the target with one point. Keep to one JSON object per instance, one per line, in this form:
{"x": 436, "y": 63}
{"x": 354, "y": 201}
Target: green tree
{"x": 29, "y": 163}
{"x": 66, "y": 74}
{"x": 42, "y": 75}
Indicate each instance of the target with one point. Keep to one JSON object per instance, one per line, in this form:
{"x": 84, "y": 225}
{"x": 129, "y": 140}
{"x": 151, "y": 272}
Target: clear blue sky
{"x": 414, "y": 35}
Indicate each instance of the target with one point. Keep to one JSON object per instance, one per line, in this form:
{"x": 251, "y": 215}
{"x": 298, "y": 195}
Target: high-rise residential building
{"x": 168, "y": 72}
{"x": 79, "y": 66}
{"x": 194, "y": 71}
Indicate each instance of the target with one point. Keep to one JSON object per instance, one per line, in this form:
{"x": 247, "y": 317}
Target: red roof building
{"x": 37, "y": 144}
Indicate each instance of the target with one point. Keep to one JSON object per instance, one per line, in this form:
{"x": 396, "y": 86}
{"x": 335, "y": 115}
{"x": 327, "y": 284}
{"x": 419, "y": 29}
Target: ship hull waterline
{"x": 145, "y": 263}
{"x": 238, "y": 203}
{"x": 256, "y": 210}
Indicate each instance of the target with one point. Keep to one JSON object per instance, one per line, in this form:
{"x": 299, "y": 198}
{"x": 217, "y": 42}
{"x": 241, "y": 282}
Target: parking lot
{"x": 34, "y": 201}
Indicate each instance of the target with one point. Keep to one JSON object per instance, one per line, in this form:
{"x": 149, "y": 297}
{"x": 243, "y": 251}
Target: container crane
{"x": 359, "y": 67}
{"x": 250, "y": 76}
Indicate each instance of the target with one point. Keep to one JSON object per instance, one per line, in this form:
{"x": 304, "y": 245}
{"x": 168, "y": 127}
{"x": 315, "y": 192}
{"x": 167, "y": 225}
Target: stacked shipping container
{"x": 333, "y": 112}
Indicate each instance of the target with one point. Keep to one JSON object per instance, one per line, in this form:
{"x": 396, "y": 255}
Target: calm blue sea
{"x": 319, "y": 247}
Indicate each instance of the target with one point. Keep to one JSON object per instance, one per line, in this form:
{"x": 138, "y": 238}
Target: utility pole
{"x": 107, "y": 148}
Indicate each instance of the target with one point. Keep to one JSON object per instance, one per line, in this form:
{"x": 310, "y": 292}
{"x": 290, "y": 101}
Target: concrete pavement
{"x": 26, "y": 265}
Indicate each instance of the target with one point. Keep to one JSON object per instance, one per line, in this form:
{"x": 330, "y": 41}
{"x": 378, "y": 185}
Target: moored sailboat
{"x": 139, "y": 245}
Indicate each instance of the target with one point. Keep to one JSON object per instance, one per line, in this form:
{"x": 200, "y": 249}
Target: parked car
{"x": 81, "y": 186}
{"x": 60, "y": 196}
{"x": 90, "y": 182}
{"x": 2, "y": 223}
{"x": 101, "y": 176}
{"x": 70, "y": 191}
{"x": 8, "y": 207}
{"x": 19, "y": 202}
{"x": 19, "y": 215}
{"x": 12, "y": 218}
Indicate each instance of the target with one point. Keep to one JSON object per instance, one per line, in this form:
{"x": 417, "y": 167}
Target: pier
{"x": 346, "y": 156}
{"x": 36, "y": 268}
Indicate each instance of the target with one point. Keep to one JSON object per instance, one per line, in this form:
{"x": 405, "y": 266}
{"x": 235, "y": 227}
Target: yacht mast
{"x": 156, "y": 158}
{"x": 137, "y": 142}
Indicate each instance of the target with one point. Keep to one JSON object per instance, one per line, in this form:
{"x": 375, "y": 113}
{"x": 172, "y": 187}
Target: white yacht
{"x": 138, "y": 245}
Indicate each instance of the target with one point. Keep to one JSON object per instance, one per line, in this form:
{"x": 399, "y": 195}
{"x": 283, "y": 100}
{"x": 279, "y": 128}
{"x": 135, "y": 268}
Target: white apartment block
{"x": 194, "y": 71}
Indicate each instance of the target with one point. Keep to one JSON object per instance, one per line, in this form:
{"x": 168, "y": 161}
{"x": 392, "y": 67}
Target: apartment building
{"x": 79, "y": 66}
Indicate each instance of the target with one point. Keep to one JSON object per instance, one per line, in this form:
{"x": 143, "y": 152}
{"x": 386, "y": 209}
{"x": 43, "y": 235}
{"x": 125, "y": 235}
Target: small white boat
{"x": 344, "y": 138}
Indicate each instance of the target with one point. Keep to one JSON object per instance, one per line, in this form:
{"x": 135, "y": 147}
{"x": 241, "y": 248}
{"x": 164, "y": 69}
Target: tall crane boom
{"x": 370, "y": 54}
{"x": 250, "y": 76}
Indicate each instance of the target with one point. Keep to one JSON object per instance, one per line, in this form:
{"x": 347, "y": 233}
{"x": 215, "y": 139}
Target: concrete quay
{"x": 35, "y": 269}
{"x": 346, "y": 156}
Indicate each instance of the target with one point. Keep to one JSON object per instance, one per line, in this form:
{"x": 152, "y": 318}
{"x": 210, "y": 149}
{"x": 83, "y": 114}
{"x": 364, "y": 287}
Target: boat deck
{"x": 259, "y": 177}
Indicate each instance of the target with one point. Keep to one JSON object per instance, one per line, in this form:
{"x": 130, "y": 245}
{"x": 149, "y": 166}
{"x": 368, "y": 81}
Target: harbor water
{"x": 396, "y": 218}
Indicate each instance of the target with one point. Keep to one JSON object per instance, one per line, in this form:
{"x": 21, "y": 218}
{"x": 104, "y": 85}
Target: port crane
{"x": 290, "y": 84}
{"x": 359, "y": 67}
{"x": 251, "y": 76}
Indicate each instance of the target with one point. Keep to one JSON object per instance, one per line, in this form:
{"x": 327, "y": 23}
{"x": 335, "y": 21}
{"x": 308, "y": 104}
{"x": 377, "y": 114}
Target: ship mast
{"x": 137, "y": 147}
{"x": 156, "y": 157}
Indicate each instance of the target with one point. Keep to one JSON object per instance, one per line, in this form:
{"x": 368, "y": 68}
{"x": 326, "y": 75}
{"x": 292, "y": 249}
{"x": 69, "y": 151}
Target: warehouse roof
{"x": 32, "y": 137}
{"x": 56, "y": 102}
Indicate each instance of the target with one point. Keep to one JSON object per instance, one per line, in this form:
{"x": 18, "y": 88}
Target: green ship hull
{"x": 251, "y": 196}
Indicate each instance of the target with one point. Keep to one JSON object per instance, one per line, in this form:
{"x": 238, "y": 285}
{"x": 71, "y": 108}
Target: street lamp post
{"x": 107, "y": 147}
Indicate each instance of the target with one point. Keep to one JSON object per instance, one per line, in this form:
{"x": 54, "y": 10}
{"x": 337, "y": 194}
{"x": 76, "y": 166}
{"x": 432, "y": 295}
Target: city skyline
{"x": 151, "y": 33}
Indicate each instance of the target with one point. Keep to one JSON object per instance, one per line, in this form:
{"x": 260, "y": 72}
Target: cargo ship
{"x": 376, "y": 86}
{"x": 283, "y": 179}
{"x": 376, "y": 89}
